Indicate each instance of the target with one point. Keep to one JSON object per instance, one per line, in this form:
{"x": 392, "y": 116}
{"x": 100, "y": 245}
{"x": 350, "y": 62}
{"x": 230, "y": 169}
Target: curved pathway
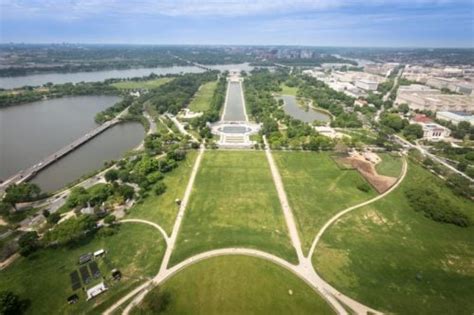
{"x": 299, "y": 270}
{"x": 343, "y": 212}
{"x": 304, "y": 269}
{"x": 156, "y": 226}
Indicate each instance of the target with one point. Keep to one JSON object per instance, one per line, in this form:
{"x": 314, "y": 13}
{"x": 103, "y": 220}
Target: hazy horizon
{"x": 319, "y": 23}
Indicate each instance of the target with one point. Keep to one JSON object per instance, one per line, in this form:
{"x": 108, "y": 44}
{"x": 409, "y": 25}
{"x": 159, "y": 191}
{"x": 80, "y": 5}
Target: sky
{"x": 354, "y": 23}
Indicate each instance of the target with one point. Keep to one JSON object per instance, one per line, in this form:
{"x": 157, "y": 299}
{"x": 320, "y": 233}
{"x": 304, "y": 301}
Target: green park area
{"x": 396, "y": 260}
{"x": 391, "y": 165}
{"x": 317, "y": 189}
{"x": 288, "y": 90}
{"x": 44, "y": 277}
{"x": 233, "y": 204}
{"x": 135, "y": 85}
{"x": 162, "y": 209}
{"x": 202, "y": 101}
{"x": 234, "y": 285}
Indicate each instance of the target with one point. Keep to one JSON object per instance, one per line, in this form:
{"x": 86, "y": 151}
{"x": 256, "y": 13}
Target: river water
{"x": 291, "y": 108}
{"x": 109, "y": 145}
{"x": 30, "y": 132}
{"x": 93, "y": 76}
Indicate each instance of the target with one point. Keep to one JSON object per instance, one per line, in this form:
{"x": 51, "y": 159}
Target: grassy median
{"x": 234, "y": 203}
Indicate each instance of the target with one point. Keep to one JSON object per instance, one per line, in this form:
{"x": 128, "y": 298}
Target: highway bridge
{"x": 30, "y": 172}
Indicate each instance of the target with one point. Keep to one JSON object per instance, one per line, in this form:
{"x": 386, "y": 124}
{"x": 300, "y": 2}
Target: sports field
{"x": 233, "y": 204}
{"x": 237, "y": 285}
{"x": 317, "y": 189}
{"x": 394, "y": 259}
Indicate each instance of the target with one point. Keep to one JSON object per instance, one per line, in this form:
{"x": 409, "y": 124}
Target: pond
{"x": 292, "y": 108}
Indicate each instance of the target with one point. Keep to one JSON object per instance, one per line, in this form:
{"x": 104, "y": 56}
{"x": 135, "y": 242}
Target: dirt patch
{"x": 367, "y": 170}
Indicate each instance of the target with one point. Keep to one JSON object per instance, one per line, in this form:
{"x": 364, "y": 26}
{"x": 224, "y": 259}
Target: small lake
{"x": 109, "y": 145}
{"x": 291, "y": 108}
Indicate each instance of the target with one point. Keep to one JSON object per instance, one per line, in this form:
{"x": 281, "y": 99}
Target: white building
{"x": 434, "y": 132}
{"x": 425, "y": 98}
{"x": 455, "y": 118}
{"x": 367, "y": 85}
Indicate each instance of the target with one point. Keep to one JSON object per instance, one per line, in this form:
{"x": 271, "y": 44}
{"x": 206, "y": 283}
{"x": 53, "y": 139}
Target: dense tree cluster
{"x": 70, "y": 231}
{"x": 282, "y": 130}
{"x": 215, "y": 106}
{"x": 23, "y": 192}
{"x": 333, "y": 101}
{"x": 71, "y": 58}
{"x": 176, "y": 94}
{"x": 435, "y": 207}
{"x": 460, "y": 131}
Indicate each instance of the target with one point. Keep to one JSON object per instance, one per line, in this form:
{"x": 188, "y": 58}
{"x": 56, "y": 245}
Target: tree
{"x": 403, "y": 108}
{"x": 393, "y": 121}
{"x": 413, "y": 131}
{"x": 70, "y": 230}
{"x": 10, "y": 303}
{"x": 46, "y": 213}
{"x": 21, "y": 193}
{"x": 111, "y": 175}
{"x": 54, "y": 218}
{"x": 126, "y": 191}
{"x": 160, "y": 188}
{"x": 110, "y": 219}
{"x": 28, "y": 243}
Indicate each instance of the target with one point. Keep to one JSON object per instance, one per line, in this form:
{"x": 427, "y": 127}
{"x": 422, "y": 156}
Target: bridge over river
{"x": 26, "y": 174}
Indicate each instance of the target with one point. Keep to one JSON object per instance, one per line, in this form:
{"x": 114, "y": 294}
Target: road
{"x": 425, "y": 152}
{"x": 387, "y": 95}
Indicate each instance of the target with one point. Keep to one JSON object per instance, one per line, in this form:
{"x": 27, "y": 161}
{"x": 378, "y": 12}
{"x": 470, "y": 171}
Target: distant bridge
{"x": 26, "y": 174}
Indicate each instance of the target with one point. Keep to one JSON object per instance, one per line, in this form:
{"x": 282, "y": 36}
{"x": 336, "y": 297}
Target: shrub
{"x": 160, "y": 188}
{"x": 363, "y": 187}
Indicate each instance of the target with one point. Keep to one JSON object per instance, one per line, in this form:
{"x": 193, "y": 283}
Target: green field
{"x": 163, "y": 209}
{"x": 233, "y": 203}
{"x": 390, "y": 166}
{"x": 317, "y": 189}
{"x": 136, "y": 250}
{"x": 287, "y": 90}
{"x": 149, "y": 84}
{"x": 394, "y": 259}
{"x": 202, "y": 101}
{"x": 238, "y": 285}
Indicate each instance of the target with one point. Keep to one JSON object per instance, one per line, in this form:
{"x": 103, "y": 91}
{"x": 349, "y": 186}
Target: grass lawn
{"x": 163, "y": 209}
{"x": 390, "y": 166}
{"x": 202, "y": 99}
{"x": 394, "y": 259}
{"x": 233, "y": 203}
{"x": 149, "y": 84}
{"x": 136, "y": 250}
{"x": 239, "y": 285}
{"x": 317, "y": 189}
{"x": 287, "y": 90}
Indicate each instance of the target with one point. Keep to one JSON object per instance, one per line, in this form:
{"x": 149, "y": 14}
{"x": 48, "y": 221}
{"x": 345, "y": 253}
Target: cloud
{"x": 220, "y": 8}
